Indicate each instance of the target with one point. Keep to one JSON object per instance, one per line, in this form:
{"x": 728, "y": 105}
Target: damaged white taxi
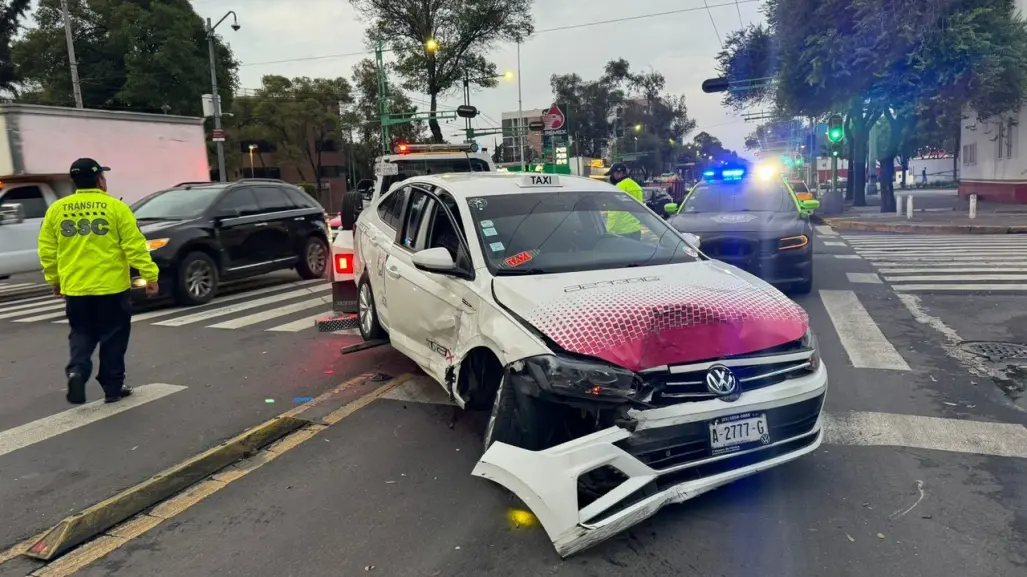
{"x": 623, "y": 369}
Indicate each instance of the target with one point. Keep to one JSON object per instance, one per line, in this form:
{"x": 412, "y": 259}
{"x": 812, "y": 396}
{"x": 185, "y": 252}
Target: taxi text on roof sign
{"x": 540, "y": 180}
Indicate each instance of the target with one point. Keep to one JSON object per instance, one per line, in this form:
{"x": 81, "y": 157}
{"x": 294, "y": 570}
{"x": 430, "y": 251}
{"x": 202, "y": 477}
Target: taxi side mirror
{"x": 809, "y": 204}
{"x": 692, "y": 240}
{"x": 13, "y": 213}
{"x": 671, "y": 208}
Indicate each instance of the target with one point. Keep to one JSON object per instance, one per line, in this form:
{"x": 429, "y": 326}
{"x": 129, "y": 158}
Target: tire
{"x": 805, "y": 286}
{"x": 314, "y": 259}
{"x": 197, "y": 280}
{"x": 517, "y": 419}
{"x": 367, "y": 313}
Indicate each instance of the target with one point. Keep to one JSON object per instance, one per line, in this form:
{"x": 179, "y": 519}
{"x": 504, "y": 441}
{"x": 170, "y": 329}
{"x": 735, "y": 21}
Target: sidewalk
{"x": 934, "y": 212}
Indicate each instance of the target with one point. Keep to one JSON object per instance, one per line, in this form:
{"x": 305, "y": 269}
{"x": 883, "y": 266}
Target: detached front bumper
{"x": 667, "y": 459}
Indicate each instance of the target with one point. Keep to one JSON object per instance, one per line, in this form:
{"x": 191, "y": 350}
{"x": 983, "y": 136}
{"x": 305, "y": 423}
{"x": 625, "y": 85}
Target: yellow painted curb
{"x": 94, "y": 520}
{"x": 866, "y": 226}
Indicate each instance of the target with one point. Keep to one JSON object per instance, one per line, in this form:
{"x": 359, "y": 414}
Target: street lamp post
{"x": 520, "y": 111}
{"x": 252, "y": 148}
{"x": 215, "y": 97}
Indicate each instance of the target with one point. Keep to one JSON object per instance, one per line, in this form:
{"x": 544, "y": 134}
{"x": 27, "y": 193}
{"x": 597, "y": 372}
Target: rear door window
{"x": 300, "y": 199}
{"x": 272, "y": 199}
{"x": 31, "y": 199}
{"x": 240, "y": 199}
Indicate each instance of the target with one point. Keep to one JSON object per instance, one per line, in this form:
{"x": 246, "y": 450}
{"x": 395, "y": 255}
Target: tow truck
{"x": 407, "y": 160}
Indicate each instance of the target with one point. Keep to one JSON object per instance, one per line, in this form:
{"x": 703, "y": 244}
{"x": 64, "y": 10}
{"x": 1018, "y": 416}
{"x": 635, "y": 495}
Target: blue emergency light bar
{"x": 724, "y": 174}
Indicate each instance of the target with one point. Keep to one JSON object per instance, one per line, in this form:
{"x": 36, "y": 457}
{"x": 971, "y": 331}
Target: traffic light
{"x": 836, "y": 149}
{"x": 834, "y": 129}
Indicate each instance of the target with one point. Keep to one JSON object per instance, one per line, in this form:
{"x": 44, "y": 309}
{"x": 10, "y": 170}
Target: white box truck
{"x": 146, "y": 153}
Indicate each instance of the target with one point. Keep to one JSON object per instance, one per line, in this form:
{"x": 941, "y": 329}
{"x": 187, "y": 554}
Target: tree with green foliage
{"x": 461, "y": 32}
{"x": 11, "y": 13}
{"x": 142, "y": 56}
{"x": 301, "y": 115}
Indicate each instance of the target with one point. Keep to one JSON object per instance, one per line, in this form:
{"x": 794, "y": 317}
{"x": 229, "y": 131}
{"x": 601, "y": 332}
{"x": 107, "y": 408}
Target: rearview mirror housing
{"x": 13, "y": 213}
{"x": 692, "y": 240}
{"x": 437, "y": 260}
{"x": 671, "y": 208}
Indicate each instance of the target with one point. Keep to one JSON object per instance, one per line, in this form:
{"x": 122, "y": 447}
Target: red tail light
{"x": 344, "y": 264}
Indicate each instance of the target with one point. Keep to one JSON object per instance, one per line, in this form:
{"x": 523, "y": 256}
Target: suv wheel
{"x": 367, "y": 314}
{"x": 197, "y": 280}
{"x": 314, "y": 260}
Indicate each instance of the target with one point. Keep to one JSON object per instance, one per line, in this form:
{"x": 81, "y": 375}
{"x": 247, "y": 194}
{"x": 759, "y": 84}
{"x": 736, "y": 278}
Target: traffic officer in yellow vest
{"x": 620, "y": 222}
{"x": 87, "y": 244}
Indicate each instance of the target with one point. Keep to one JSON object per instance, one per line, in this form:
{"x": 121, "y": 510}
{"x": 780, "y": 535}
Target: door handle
{"x": 300, "y": 218}
{"x": 261, "y": 224}
{"x": 392, "y": 271}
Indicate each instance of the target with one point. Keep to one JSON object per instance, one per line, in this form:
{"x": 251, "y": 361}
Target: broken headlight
{"x": 579, "y": 378}
{"x": 809, "y": 341}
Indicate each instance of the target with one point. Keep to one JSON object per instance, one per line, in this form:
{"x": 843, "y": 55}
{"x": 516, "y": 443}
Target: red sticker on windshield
{"x": 518, "y": 259}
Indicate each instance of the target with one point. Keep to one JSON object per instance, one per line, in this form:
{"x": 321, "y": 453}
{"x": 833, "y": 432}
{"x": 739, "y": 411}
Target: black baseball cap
{"x": 87, "y": 166}
{"x": 617, "y": 166}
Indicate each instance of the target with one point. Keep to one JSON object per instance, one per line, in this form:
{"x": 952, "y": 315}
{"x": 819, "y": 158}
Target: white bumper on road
{"x": 547, "y": 481}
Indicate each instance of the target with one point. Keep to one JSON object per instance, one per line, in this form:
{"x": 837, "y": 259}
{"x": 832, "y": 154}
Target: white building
{"x": 512, "y": 126}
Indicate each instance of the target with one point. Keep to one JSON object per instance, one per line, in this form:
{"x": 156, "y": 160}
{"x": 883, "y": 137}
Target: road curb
{"x": 93, "y": 521}
{"x": 864, "y": 226}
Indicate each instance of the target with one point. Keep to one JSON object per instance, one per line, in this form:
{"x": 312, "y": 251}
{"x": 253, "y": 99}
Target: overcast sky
{"x": 320, "y": 37}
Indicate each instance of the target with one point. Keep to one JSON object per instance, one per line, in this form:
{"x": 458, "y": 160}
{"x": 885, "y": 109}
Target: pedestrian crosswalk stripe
{"x": 220, "y": 300}
{"x": 264, "y": 316}
{"x": 35, "y": 308}
{"x": 19, "y": 287}
{"x": 298, "y": 325}
{"x": 38, "y": 318}
{"x": 48, "y": 427}
{"x": 860, "y": 336}
{"x": 863, "y": 277}
{"x": 965, "y": 263}
{"x": 25, "y": 304}
{"x": 825, "y": 230}
{"x": 243, "y": 306}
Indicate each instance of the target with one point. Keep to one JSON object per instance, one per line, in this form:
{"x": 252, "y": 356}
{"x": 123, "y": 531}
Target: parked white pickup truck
{"x": 146, "y": 152}
{"x": 408, "y": 161}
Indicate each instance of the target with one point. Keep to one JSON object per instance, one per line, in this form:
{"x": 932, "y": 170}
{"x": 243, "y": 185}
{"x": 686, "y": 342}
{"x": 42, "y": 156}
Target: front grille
{"x": 687, "y": 383}
{"x": 731, "y": 248}
{"x": 667, "y": 447}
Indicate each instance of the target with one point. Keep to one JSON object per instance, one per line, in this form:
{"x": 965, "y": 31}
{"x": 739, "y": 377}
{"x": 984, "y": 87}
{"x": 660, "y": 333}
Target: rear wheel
{"x": 197, "y": 280}
{"x": 370, "y": 328}
{"x": 314, "y": 260}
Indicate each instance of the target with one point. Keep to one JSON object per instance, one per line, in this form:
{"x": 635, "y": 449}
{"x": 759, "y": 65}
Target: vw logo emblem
{"x": 721, "y": 381}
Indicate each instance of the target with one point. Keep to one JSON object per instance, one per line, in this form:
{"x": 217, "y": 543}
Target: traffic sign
{"x": 218, "y": 135}
{"x": 554, "y": 118}
{"x": 536, "y": 125}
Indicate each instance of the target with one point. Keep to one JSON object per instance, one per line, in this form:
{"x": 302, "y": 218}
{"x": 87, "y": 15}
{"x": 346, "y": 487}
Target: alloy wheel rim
{"x": 365, "y": 309}
{"x": 316, "y": 258}
{"x": 199, "y": 279}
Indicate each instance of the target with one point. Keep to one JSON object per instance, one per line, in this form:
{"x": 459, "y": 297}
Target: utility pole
{"x": 76, "y": 87}
{"x": 215, "y": 97}
{"x": 383, "y": 106}
{"x": 520, "y": 111}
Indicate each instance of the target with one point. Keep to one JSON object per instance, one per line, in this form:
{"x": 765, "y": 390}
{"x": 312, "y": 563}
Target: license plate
{"x": 732, "y": 433}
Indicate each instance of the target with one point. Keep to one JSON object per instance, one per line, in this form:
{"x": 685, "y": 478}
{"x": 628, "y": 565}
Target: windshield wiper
{"x": 519, "y": 271}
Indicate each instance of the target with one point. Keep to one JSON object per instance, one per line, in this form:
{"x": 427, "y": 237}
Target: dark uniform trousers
{"x": 104, "y": 320}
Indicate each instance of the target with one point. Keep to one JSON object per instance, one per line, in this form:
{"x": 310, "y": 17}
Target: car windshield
{"x": 542, "y": 233}
{"x": 750, "y": 195}
{"x": 177, "y": 203}
{"x": 421, "y": 166}
{"x": 799, "y": 187}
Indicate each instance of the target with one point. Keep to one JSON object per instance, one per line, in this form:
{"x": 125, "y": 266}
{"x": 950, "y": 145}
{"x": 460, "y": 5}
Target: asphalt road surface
{"x": 924, "y": 471}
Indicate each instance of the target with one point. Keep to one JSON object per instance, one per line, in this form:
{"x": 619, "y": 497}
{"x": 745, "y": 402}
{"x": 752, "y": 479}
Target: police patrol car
{"x": 605, "y": 361}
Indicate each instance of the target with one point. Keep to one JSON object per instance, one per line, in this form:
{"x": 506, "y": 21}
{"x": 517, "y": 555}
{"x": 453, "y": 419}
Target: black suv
{"x": 203, "y": 233}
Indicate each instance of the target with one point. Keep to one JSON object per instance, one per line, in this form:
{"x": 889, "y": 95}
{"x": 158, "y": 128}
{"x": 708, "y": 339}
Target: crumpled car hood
{"x": 648, "y": 317}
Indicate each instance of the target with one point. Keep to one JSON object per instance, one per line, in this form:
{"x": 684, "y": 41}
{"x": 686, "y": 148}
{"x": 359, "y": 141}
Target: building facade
{"x": 262, "y": 159}
{"x": 515, "y": 123}
{"x": 991, "y": 164}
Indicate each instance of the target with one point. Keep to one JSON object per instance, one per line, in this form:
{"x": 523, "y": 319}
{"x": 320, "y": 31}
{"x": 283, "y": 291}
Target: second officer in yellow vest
{"x": 621, "y": 222}
{"x": 88, "y": 243}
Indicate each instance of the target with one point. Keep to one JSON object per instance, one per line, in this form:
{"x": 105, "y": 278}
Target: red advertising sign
{"x": 554, "y": 118}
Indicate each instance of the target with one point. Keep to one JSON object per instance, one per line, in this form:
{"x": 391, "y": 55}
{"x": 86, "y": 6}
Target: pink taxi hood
{"x": 648, "y": 317}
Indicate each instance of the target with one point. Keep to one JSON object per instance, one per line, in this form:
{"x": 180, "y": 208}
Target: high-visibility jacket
{"x": 88, "y": 242}
{"x": 622, "y": 222}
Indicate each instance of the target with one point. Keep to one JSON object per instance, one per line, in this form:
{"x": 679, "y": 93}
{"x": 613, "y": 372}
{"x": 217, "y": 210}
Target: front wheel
{"x": 314, "y": 260}
{"x": 197, "y": 280}
{"x": 518, "y": 419}
{"x": 805, "y": 286}
{"x": 367, "y": 313}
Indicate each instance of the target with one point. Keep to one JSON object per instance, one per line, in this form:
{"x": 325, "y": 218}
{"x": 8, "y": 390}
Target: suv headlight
{"x": 579, "y": 378}
{"x": 153, "y": 244}
{"x": 809, "y": 341}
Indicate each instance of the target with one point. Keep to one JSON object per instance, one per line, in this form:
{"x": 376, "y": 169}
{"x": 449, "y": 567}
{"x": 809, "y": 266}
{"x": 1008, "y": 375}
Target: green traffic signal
{"x": 834, "y": 135}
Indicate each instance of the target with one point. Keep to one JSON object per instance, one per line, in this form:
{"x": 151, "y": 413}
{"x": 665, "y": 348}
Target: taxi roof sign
{"x": 537, "y": 180}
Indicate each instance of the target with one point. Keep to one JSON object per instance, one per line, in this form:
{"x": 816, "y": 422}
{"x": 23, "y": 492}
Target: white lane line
{"x": 244, "y": 306}
{"x": 848, "y": 256}
{"x": 300, "y": 325}
{"x": 908, "y": 288}
{"x": 29, "y": 300}
{"x": 53, "y": 301}
{"x": 863, "y": 277}
{"x": 957, "y": 278}
{"x": 975, "y": 240}
{"x": 933, "y": 433}
{"x": 859, "y": 334}
{"x": 825, "y": 230}
{"x": 956, "y": 270}
{"x": 990, "y": 260}
{"x": 32, "y": 311}
{"x": 40, "y": 430}
{"x": 267, "y": 315}
{"x": 36, "y": 319}
{"x": 17, "y": 288}
{"x": 932, "y": 250}
{"x": 829, "y": 243}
